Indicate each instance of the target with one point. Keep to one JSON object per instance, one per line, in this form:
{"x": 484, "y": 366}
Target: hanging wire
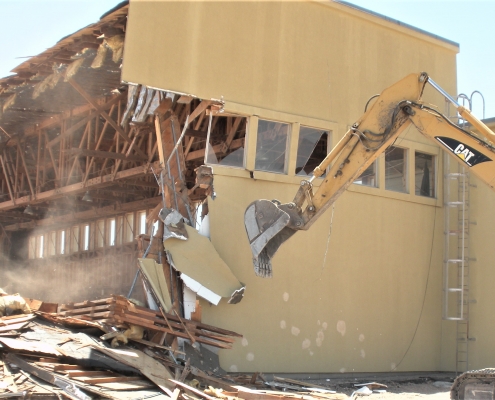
{"x": 424, "y": 295}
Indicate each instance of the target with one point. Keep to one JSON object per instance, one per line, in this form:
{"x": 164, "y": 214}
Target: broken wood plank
{"x": 13, "y": 327}
{"x": 192, "y": 390}
{"x": 149, "y": 367}
{"x": 86, "y": 303}
{"x": 300, "y": 383}
{"x": 86, "y": 310}
{"x": 60, "y": 382}
{"x": 106, "y": 379}
{"x": 149, "y": 325}
{"x": 30, "y": 347}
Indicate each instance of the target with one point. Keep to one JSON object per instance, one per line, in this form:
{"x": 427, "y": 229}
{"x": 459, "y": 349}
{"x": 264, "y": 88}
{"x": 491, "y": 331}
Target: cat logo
{"x": 464, "y": 153}
{"x": 467, "y": 154}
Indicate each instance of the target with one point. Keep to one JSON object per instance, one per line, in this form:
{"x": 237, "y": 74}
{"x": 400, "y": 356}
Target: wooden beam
{"x": 231, "y": 134}
{"x": 17, "y": 214}
{"x": 92, "y": 101}
{"x": 78, "y": 188}
{"x": 73, "y": 128}
{"x": 6, "y": 175}
{"x": 195, "y": 155}
{"x": 21, "y": 153}
{"x": 199, "y": 109}
{"x": 87, "y": 215}
{"x": 104, "y": 154}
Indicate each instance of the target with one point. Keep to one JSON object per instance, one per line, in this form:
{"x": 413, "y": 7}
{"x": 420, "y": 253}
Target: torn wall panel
{"x": 156, "y": 278}
{"x": 204, "y": 270}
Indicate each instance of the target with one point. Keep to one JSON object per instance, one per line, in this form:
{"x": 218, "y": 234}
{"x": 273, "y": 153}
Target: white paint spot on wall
{"x": 283, "y": 325}
{"x": 318, "y": 323}
{"x": 286, "y": 296}
{"x": 233, "y": 368}
{"x": 319, "y": 338}
{"x": 361, "y": 337}
{"x": 306, "y": 343}
{"x": 342, "y": 370}
{"x": 250, "y": 356}
{"x": 311, "y": 353}
{"x": 324, "y": 325}
{"x": 244, "y": 342}
{"x": 363, "y": 353}
{"x": 295, "y": 331}
{"x": 393, "y": 366}
{"x": 341, "y": 327}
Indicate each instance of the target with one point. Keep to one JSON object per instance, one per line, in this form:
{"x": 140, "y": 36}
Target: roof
{"x": 23, "y": 99}
{"x": 396, "y": 22}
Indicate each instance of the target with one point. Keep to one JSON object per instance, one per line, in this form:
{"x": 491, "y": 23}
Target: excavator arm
{"x": 269, "y": 223}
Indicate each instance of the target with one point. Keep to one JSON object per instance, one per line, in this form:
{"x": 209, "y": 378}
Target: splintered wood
{"x": 119, "y": 311}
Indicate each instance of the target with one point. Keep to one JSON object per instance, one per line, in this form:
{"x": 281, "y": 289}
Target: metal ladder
{"x": 456, "y": 257}
{"x": 456, "y": 251}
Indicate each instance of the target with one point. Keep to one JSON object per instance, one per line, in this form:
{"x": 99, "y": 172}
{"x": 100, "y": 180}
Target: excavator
{"x": 269, "y": 223}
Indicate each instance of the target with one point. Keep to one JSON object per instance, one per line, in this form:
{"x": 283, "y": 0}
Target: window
{"x": 369, "y": 176}
{"x": 111, "y": 231}
{"x": 395, "y": 169}
{"x": 226, "y": 145}
{"x": 271, "y": 146}
{"x": 86, "y": 233}
{"x": 424, "y": 174}
{"x": 40, "y": 246}
{"x": 61, "y": 242}
{"x": 142, "y": 222}
{"x": 311, "y": 150}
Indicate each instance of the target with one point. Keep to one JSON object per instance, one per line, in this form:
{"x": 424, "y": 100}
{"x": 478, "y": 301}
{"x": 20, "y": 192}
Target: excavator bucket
{"x": 266, "y": 227}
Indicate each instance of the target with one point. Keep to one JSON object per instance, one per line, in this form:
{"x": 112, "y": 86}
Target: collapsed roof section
{"x": 75, "y": 142}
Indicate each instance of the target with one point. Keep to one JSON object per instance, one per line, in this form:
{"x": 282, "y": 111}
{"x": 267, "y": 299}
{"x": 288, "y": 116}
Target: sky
{"x": 28, "y": 27}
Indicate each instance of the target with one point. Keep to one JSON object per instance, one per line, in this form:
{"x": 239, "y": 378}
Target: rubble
{"x": 115, "y": 349}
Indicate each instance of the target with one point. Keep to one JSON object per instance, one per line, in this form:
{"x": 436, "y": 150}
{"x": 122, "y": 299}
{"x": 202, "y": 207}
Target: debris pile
{"x": 115, "y": 349}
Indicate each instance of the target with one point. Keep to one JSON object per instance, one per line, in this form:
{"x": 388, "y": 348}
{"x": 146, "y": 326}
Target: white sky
{"x": 28, "y": 27}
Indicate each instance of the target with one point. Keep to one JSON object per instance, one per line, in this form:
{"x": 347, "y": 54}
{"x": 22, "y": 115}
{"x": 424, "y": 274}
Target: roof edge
{"x": 396, "y": 22}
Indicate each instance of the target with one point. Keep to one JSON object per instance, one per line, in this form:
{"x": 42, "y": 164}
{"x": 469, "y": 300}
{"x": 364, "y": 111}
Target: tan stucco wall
{"x": 374, "y": 280}
{"x": 316, "y": 64}
{"x": 304, "y": 58}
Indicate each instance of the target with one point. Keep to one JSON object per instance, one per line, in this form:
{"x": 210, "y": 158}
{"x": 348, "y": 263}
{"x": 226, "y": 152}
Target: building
{"x": 362, "y": 290}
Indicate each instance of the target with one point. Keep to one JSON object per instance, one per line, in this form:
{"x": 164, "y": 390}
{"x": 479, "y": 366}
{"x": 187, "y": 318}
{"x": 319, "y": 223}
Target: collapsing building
{"x": 206, "y": 115}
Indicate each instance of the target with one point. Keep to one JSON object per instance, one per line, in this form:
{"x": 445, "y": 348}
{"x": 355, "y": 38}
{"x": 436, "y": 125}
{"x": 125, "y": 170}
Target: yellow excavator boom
{"x": 269, "y": 224}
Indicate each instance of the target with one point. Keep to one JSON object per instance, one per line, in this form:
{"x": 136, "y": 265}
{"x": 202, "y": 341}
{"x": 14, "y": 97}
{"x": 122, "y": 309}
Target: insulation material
{"x": 72, "y": 69}
{"x": 100, "y": 56}
{"x": 141, "y": 101}
{"x": 202, "y": 269}
{"x": 143, "y": 114}
{"x": 9, "y": 102}
{"x": 156, "y": 278}
{"x": 11, "y": 303}
{"x": 48, "y": 83}
{"x": 132, "y": 96}
{"x": 116, "y": 43}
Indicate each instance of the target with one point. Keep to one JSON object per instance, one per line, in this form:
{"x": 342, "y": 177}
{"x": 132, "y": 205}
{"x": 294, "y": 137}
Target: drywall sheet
{"x": 154, "y": 273}
{"x": 204, "y": 270}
